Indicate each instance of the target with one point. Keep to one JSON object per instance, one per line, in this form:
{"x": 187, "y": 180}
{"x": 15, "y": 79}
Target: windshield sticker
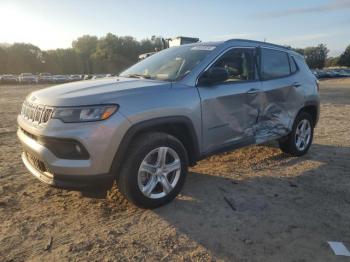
{"x": 203, "y": 47}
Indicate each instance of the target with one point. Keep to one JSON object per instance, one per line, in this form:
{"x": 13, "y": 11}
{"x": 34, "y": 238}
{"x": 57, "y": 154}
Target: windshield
{"x": 171, "y": 64}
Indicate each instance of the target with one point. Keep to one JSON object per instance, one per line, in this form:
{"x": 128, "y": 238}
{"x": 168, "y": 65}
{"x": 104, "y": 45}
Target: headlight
{"x": 84, "y": 113}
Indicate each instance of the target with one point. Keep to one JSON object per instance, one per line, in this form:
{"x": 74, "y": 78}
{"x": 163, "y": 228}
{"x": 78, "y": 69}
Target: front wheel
{"x": 299, "y": 140}
{"x": 154, "y": 171}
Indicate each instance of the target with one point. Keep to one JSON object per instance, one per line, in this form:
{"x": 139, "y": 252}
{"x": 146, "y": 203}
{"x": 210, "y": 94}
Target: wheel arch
{"x": 312, "y": 108}
{"x": 180, "y": 127}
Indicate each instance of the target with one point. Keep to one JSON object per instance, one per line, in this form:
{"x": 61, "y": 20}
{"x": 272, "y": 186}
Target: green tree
{"x": 85, "y": 46}
{"x": 332, "y": 61}
{"x": 89, "y": 54}
{"x": 113, "y": 53}
{"x": 62, "y": 61}
{"x": 299, "y": 50}
{"x": 3, "y": 60}
{"x": 344, "y": 59}
{"x": 316, "y": 56}
{"x": 23, "y": 57}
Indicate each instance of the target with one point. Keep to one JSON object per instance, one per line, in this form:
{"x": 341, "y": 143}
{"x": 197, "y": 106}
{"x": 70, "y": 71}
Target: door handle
{"x": 253, "y": 91}
{"x": 296, "y": 84}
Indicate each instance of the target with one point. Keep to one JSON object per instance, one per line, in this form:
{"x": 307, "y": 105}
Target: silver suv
{"x": 144, "y": 128}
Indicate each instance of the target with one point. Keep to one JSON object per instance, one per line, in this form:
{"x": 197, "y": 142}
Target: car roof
{"x": 212, "y": 43}
{"x": 237, "y": 41}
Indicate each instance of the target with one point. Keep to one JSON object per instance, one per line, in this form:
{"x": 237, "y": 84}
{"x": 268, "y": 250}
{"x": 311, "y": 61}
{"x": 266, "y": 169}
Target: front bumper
{"x": 101, "y": 140}
{"x": 71, "y": 181}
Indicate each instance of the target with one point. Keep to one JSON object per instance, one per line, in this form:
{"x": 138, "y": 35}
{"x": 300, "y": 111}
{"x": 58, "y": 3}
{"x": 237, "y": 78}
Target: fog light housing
{"x": 65, "y": 148}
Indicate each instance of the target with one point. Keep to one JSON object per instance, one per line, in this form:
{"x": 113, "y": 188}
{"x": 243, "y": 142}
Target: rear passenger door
{"x": 282, "y": 94}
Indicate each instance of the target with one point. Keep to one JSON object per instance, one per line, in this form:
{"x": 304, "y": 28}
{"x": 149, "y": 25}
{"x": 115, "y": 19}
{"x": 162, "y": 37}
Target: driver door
{"x": 229, "y": 108}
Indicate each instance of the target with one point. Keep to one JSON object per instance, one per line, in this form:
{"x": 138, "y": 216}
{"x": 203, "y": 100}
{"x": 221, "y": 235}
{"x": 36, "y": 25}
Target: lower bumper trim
{"x": 42, "y": 176}
{"x": 69, "y": 181}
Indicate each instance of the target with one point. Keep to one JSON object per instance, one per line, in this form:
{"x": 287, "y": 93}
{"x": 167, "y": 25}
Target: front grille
{"x": 36, "y": 162}
{"x": 36, "y": 113}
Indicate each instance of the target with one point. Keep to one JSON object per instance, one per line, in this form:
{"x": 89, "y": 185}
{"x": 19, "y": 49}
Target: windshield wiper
{"x": 141, "y": 76}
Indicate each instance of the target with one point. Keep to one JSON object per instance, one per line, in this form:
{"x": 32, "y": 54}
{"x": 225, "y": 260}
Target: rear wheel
{"x": 154, "y": 171}
{"x": 298, "y": 142}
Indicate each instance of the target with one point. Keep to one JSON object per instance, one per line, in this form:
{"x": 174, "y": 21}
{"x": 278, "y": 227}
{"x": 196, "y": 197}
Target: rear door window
{"x": 274, "y": 64}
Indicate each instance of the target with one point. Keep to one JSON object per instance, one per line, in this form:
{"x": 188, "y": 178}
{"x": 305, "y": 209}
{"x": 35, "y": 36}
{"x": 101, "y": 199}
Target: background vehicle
{"x": 45, "y": 78}
{"x": 60, "y": 78}
{"x": 342, "y": 73}
{"x": 331, "y": 73}
{"x": 97, "y": 76}
{"x": 9, "y": 79}
{"x": 171, "y": 42}
{"x": 181, "y": 40}
{"x": 87, "y": 77}
{"x": 27, "y": 78}
{"x": 145, "y": 55}
{"x": 75, "y": 77}
{"x": 144, "y": 128}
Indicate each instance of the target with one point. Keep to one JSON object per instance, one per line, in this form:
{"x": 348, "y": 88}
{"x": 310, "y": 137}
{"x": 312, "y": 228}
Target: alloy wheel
{"x": 159, "y": 172}
{"x": 303, "y": 135}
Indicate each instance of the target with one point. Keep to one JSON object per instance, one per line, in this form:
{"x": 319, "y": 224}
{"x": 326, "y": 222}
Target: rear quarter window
{"x": 274, "y": 64}
{"x": 293, "y": 66}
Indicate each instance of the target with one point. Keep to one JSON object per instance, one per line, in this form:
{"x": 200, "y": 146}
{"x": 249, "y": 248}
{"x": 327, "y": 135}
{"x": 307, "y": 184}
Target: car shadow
{"x": 292, "y": 208}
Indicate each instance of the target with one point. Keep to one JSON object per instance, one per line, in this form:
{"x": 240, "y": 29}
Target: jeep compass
{"x": 143, "y": 128}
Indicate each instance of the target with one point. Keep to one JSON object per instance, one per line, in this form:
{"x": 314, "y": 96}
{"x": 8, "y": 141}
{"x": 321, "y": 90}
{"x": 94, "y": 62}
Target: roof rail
{"x": 258, "y": 42}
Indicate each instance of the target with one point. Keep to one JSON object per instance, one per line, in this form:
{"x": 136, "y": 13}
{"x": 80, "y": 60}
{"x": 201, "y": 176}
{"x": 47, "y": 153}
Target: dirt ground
{"x": 283, "y": 208}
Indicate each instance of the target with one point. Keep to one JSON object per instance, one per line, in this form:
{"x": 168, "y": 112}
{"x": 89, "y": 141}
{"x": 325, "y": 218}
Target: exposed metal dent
{"x": 278, "y": 107}
{"x": 263, "y": 115}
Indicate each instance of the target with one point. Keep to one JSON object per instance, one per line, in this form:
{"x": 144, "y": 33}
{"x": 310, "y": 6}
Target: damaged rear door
{"x": 282, "y": 94}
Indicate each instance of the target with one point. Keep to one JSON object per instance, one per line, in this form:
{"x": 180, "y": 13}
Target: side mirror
{"x": 213, "y": 75}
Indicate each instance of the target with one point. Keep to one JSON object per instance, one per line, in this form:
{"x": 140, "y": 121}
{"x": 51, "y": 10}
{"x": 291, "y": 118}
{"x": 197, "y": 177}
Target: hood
{"x": 91, "y": 92}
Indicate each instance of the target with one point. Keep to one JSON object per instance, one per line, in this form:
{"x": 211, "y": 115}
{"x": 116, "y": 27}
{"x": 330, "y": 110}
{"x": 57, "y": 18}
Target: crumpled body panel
{"x": 278, "y": 107}
{"x": 231, "y": 114}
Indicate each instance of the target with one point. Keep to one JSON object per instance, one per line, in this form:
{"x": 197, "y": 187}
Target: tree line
{"x": 112, "y": 54}
{"x": 342, "y": 60}
{"x": 317, "y": 57}
{"x": 88, "y": 54}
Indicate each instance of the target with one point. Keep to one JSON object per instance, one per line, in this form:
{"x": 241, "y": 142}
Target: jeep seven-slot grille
{"x": 36, "y": 113}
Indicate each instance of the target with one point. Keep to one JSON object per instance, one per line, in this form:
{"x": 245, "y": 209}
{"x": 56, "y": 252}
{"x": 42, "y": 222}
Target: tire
{"x": 136, "y": 182}
{"x": 289, "y": 144}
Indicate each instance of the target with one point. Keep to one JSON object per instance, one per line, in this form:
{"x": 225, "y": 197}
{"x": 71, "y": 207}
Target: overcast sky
{"x": 53, "y": 24}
